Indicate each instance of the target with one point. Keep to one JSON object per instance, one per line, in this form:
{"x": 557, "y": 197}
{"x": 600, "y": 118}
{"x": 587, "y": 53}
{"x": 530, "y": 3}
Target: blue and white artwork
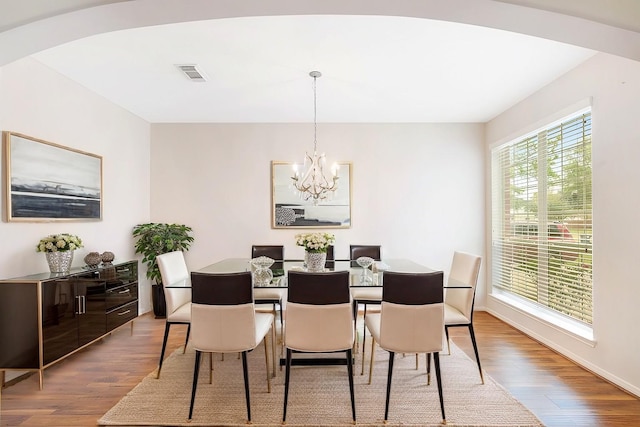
{"x": 51, "y": 182}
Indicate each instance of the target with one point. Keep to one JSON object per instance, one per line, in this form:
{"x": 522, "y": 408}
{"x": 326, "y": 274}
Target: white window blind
{"x": 542, "y": 218}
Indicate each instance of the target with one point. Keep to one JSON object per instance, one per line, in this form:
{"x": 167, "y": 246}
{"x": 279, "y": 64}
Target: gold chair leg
{"x": 364, "y": 331}
{"x": 355, "y": 334}
{"x": 416, "y": 361}
{"x": 273, "y": 343}
{"x": 362, "y": 365}
{"x": 281, "y": 343}
{"x": 373, "y": 349}
{"x": 266, "y": 360}
{"x": 210, "y": 368}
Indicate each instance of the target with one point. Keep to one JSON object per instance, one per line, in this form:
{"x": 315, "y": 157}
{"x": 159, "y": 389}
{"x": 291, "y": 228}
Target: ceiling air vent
{"x": 192, "y": 73}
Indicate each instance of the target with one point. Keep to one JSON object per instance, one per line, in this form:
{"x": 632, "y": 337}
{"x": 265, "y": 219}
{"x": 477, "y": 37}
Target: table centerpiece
{"x": 315, "y": 249}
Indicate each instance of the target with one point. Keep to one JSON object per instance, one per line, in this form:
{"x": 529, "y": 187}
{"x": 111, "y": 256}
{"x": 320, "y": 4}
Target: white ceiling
{"x": 375, "y": 68}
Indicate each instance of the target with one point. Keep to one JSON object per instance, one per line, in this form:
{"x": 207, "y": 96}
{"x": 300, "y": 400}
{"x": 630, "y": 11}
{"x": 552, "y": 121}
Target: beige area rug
{"x": 318, "y": 395}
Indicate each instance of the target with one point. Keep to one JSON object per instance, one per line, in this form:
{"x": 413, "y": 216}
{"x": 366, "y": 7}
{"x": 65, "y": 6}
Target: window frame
{"x": 540, "y": 311}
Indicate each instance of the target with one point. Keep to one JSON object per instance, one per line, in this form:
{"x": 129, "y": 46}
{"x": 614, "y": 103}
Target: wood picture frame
{"x": 47, "y": 182}
{"x": 289, "y": 210}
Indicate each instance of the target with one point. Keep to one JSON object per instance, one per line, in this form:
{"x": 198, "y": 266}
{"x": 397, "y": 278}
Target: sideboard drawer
{"x": 121, "y": 295}
{"x": 122, "y": 315}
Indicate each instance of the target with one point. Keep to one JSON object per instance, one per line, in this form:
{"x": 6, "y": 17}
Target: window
{"x": 541, "y": 218}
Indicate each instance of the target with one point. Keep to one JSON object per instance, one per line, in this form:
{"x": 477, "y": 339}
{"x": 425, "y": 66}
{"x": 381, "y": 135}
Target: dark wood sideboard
{"x": 46, "y": 317}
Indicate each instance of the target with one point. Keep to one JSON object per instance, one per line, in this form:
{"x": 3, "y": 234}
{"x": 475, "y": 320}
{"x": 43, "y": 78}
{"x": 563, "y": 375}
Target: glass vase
{"x": 261, "y": 271}
{"x": 59, "y": 262}
{"x": 315, "y": 261}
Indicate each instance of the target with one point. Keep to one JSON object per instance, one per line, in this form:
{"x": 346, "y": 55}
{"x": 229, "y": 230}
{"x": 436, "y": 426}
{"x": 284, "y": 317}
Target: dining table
{"x": 359, "y": 277}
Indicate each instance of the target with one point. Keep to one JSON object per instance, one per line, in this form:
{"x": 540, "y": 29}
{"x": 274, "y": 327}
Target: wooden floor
{"x": 80, "y": 389}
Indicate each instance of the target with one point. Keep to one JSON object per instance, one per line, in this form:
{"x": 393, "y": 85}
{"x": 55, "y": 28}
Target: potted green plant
{"x": 156, "y": 239}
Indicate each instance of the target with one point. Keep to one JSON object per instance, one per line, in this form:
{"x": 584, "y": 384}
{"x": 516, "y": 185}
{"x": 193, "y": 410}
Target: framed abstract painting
{"x": 49, "y": 182}
{"x": 290, "y": 210}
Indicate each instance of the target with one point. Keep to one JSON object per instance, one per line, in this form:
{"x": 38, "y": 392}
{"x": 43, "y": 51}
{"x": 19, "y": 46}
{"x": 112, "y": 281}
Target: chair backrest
{"x": 412, "y": 312}
{"x": 330, "y": 262}
{"x": 222, "y": 312}
{"x": 319, "y": 315}
{"x": 465, "y": 269}
{"x": 275, "y": 252}
{"x": 173, "y": 270}
{"x": 357, "y": 251}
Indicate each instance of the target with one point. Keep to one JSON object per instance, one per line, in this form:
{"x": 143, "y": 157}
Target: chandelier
{"x": 311, "y": 181}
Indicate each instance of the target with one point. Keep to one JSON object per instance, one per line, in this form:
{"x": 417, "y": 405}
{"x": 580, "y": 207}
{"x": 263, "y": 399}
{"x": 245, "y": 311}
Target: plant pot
{"x": 159, "y": 304}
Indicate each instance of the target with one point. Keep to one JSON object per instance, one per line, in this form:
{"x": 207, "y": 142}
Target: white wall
{"x": 43, "y": 104}
{"x": 418, "y": 189}
{"x": 614, "y": 84}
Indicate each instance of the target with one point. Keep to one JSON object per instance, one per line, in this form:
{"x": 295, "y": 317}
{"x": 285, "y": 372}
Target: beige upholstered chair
{"x": 224, "y": 320}
{"x": 411, "y": 320}
{"x": 176, "y": 284}
{"x": 458, "y": 303}
{"x": 364, "y": 295}
{"x": 319, "y": 319}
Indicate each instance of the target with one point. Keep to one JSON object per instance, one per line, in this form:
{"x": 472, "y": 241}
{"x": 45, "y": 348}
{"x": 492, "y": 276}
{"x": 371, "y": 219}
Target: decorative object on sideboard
{"x": 315, "y": 249}
{"x": 58, "y": 249}
{"x": 156, "y": 239}
{"x": 92, "y": 259}
{"x": 107, "y": 257}
{"x": 311, "y": 181}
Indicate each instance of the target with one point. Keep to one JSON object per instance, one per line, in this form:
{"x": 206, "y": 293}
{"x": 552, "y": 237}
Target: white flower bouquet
{"x": 59, "y": 243}
{"x": 315, "y": 242}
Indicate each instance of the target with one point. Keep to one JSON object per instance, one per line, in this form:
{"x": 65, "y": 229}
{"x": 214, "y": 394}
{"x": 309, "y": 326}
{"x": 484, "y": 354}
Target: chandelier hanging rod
{"x": 312, "y": 184}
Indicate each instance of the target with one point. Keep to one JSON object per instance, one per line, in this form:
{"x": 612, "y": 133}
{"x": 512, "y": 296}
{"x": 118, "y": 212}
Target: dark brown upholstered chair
{"x": 224, "y": 320}
{"x": 319, "y": 319}
{"x": 411, "y": 320}
{"x": 357, "y": 251}
{"x": 275, "y": 252}
{"x": 331, "y": 260}
{"x": 271, "y": 296}
{"x": 364, "y": 296}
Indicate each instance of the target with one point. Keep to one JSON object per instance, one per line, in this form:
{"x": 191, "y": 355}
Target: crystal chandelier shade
{"x": 311, "y": 181}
